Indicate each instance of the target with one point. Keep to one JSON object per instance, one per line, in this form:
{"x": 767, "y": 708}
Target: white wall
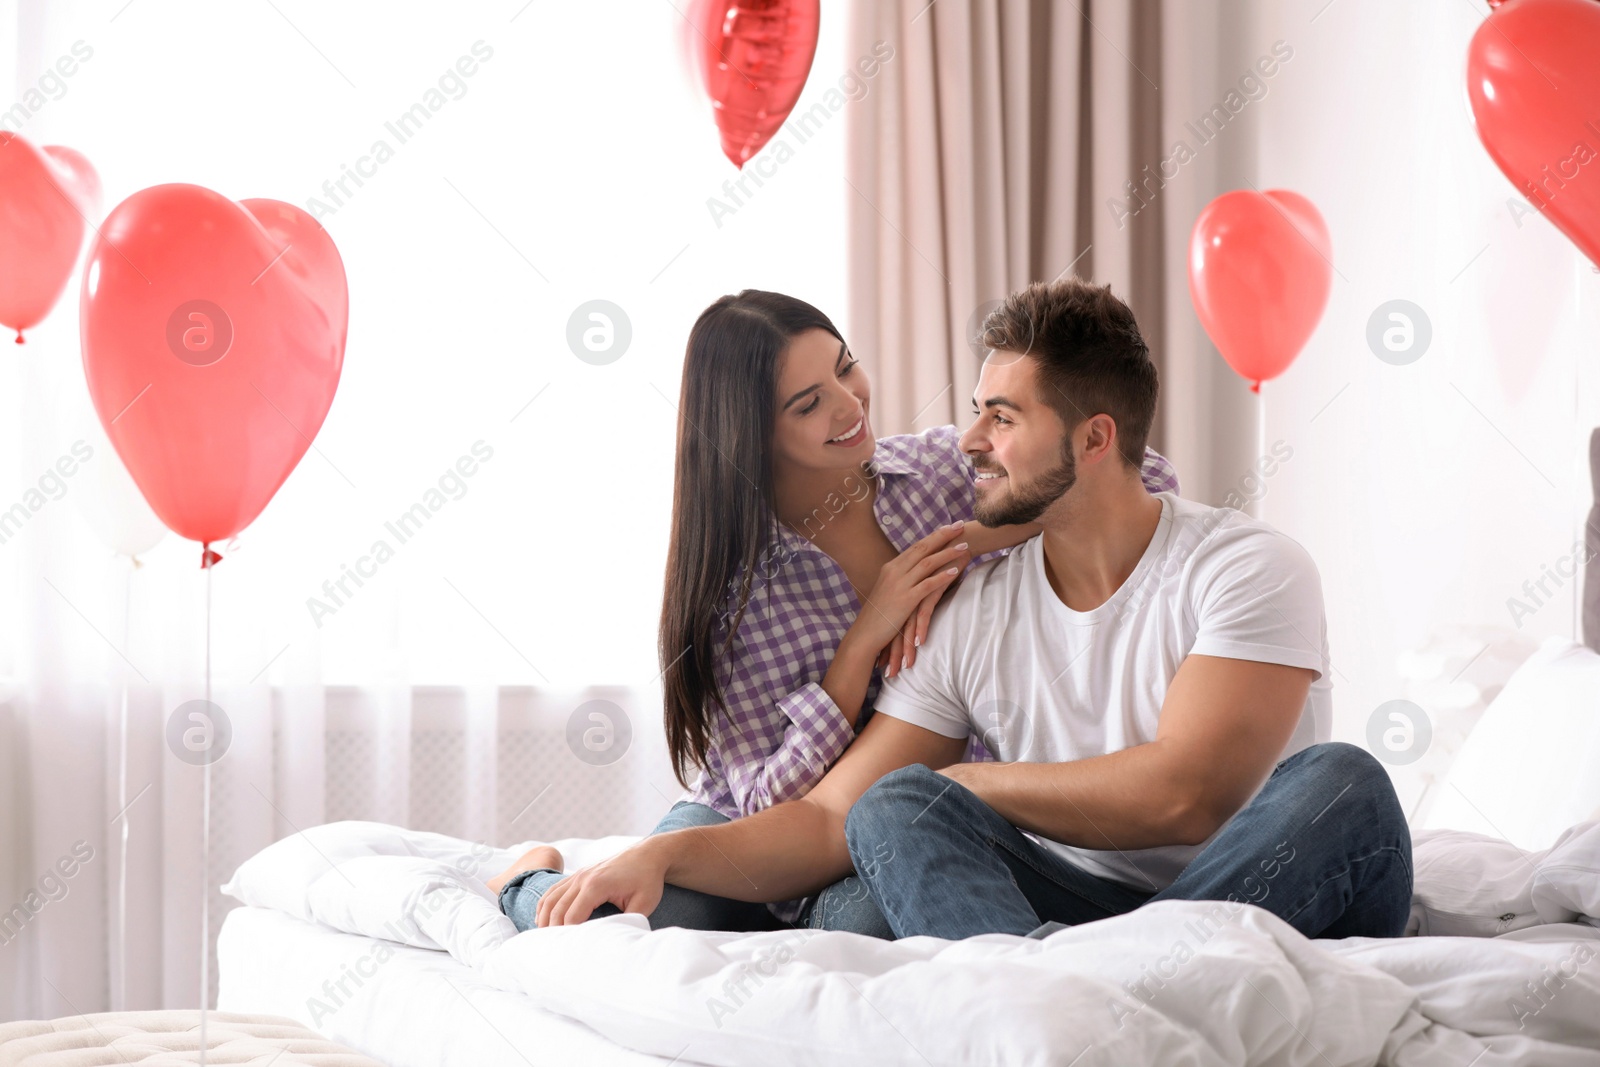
{"x": 1428, "y": 493}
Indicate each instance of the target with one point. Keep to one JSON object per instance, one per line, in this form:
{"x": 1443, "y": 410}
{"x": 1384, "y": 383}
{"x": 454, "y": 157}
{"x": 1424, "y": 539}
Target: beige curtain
{"x": 994, "y": 149}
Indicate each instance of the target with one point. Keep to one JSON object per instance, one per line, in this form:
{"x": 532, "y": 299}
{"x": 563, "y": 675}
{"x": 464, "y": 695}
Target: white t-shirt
{"x": 1005, "y": 658}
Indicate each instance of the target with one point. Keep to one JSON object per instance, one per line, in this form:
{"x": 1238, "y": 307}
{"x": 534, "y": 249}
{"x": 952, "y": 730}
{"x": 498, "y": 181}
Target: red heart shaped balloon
{"x": 1260, "y": 270}
{"x": 1533, "y": 77}
{"x": 754, "y": 56}
{"x": 47, "y": 196}
{"x": 213, "y": 337}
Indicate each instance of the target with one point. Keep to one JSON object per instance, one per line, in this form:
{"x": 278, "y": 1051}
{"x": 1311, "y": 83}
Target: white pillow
{"x": 278, "y": 876}
{"x": 281, "y": 876}
{"x": 1531, "y": 767}
{"x": 420, "y": 902}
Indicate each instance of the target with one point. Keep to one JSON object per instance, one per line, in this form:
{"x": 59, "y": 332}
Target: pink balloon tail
{"x": 209, "y": 558}
{"x": 1255, "y": 387}
{"x": 20, "y": 341}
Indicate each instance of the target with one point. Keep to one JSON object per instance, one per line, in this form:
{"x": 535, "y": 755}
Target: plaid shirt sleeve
{"x": 1158, "y": 474}
{"x": 817, "y": 735}
{"x": 809, "y": 730}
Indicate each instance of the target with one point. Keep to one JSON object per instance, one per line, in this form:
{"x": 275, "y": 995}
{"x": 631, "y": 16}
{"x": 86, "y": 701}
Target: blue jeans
{"x": 845, "y": 905}
{"x": 1324, "y": 846}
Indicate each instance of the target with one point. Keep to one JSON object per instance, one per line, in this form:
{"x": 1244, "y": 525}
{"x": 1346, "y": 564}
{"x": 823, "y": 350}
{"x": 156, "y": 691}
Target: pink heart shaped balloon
{"x": 213, "y": 337}
{"x": 754, "y": 57}
{"x": 47, "y": 196}
{"x": 1260, "y": 271}
{"x": 1533, "y": 78}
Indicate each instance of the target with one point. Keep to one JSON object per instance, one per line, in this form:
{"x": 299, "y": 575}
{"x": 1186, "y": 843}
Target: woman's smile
{"x": 854, "y": 435}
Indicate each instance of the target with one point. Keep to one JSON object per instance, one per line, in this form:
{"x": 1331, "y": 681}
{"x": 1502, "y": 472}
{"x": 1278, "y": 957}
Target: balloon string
{"x": 205, "y": 830}
{"x": 122, "y": 806}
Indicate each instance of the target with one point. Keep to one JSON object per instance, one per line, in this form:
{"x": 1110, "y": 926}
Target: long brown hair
{"x": 723, "y": 501}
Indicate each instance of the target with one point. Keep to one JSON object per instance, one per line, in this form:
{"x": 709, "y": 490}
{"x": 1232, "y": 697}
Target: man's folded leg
{"x": 846, "y": 905}
{"x": 941, "y": 862}
{"x": 1324, "y": 846}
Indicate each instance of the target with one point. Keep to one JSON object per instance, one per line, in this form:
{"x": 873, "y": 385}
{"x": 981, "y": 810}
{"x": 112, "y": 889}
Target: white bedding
{"x": 407, "y": 1007}
{"x": 1178, "y": 982}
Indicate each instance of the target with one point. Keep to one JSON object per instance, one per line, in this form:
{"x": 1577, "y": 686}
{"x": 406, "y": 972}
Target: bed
{"x": 386, "y": 940}
{"x": 411, "y": 1006}
{"x": 383, "y": 939}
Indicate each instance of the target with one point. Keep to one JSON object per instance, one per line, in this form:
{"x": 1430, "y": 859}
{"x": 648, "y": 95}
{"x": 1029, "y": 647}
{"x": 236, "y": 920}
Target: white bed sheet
{"x": 416, "y": 1008}
{"x": 1233, "y": 984}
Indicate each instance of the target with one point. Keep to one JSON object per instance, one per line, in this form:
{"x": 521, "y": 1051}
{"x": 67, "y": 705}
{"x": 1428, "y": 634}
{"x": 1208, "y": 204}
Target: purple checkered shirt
{"x": 782, "y": 731}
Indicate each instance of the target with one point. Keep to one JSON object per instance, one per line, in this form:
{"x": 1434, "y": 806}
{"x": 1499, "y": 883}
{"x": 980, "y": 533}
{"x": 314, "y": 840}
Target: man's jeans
{"x": 1324, "y": 846}
{"x": 845, "y": 905}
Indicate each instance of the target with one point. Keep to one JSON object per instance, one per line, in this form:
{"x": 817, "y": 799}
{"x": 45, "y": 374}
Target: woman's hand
{"x": 633, "y": 880}
{"x": 981, "y": 541}
{"x": 904, "y": 585}
{"x": 915, "y": 630}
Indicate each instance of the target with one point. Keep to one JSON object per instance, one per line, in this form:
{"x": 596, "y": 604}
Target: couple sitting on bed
{"x": 1139, "y": 685}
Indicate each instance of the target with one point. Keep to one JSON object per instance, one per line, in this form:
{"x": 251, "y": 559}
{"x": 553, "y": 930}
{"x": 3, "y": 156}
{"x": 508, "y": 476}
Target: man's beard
{"x": 1020, "y": 505}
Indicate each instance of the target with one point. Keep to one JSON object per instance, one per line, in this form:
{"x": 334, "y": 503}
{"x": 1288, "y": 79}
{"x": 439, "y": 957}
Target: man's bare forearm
{"x": 1135, "y": 798}
{"x": 1224, "y": 723}
{"x": 790, "y": 850}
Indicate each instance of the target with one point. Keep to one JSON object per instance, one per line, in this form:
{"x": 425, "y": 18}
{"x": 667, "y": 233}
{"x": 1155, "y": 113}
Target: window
{"x": 485, "y": 173}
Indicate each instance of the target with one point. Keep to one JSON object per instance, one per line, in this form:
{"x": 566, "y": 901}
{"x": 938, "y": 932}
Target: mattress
{"x": 165, "y": 1037}
{"x": 405, "y": 1006}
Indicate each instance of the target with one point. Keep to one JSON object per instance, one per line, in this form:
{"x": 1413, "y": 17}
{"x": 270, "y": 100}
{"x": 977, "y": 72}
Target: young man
{"x": 1149, "y": 672}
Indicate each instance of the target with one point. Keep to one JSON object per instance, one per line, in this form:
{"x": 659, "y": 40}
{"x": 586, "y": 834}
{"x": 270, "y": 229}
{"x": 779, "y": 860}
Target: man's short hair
{"x": 1092, "y": 358}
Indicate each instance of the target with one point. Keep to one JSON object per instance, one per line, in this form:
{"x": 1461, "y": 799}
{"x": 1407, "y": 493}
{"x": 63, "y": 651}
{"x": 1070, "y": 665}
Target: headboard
{"x": 1591, "y": 541}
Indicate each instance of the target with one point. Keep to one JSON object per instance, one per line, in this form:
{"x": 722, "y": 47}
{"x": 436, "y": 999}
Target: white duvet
{"x": 1505, "y": 970}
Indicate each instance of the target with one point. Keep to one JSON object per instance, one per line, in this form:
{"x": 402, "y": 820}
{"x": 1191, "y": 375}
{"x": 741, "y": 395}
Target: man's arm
{"x": 789, "y": 850}
{"x": 1223, "y": 724}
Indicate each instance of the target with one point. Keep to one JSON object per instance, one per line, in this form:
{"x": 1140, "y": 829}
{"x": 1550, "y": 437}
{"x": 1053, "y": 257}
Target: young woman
{"x": 806, "y": 559}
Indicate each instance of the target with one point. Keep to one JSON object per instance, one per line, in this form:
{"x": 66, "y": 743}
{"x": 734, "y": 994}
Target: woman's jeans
{"x": 845, "y": 905}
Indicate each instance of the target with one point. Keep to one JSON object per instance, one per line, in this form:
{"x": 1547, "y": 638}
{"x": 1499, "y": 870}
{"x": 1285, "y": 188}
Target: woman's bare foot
{"x": 535, "y": 859}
